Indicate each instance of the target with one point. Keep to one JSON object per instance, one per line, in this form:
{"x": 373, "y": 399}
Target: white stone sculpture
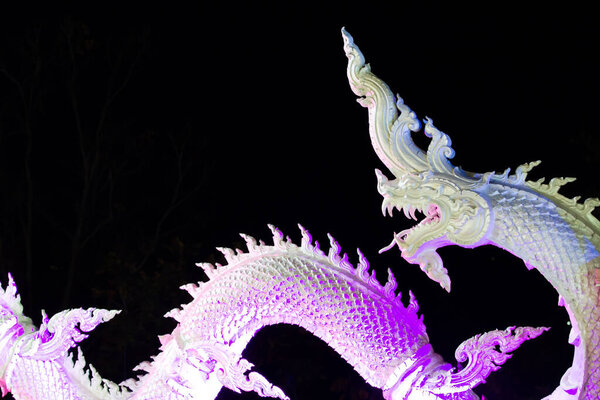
{"x": 345, "y": 306}
{"x": 365, "y": 322}
{"x": 556, "y": 235}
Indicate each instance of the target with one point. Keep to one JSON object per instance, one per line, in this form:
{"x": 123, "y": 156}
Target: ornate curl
{"x": 485, "y": 354}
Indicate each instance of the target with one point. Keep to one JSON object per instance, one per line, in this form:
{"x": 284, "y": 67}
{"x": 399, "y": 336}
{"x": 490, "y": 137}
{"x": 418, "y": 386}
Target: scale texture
{"x": 344, "y": 305}
{"x": 556, "y": 235}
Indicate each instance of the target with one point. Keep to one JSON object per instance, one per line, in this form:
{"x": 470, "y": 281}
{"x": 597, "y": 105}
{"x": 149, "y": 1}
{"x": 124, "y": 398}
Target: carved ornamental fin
{"x": 485, "y": 354}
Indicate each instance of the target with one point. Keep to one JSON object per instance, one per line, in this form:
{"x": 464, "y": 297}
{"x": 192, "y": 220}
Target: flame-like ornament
{"x": 556, "y": 235}
{"x": 344, "y": 305}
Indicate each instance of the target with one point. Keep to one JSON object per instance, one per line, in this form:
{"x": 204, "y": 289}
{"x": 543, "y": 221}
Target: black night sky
{"x": 134, "y": 141}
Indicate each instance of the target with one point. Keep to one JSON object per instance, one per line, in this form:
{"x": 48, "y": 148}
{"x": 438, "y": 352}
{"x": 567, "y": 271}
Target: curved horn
{"x": 390, "y": 132}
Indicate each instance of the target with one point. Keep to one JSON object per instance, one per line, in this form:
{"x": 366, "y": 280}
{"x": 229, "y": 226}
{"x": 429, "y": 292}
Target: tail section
{"x": 484, "y": 354}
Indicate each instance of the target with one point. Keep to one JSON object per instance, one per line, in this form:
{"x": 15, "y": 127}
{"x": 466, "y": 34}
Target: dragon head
{"x": 452, "y": 215}
{"x": 425, "y": 181}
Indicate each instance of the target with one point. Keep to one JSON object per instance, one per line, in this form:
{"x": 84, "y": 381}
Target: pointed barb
{"x": 522, "y": 171}
{"x": 175, "y": 314}
{"x": 95, "y": 377}
{"x": 487, "y": 177}
{"x": 317, "y": 250}
{"x": 391, "y": 285}
{"x": 362, "y": 269}
{"x": 143, "y": 366}
{"x": 192, "y": 288}
{"x": 398, "y": 300}
{"x": 80, "y": 363}
{"x": 12, "y": 286}
{"x": 345, "y": 263}
{"x": 334, "y": 250}
{"x": 251, "y": 243}
{"x": 11, "y": 297}
{"x": 306, "y": 242}
{"x": 556, "y": 183}
{"x": 208, "y": 269}
{"x": 277, "y": 237}
{"x": 164, "y": 339}
{"x": 412, "y": 304}
{"x": 373, "y": 279}
{"x": 590, "y": 204}
{"x": 131, "y": 384}
{"x": 228, "y": 253}
{"x": 527, "y": 167}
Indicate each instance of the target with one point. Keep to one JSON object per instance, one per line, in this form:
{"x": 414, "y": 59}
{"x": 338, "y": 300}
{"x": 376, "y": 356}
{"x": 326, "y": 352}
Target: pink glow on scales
{"x": 343, "y": 304}
{"x": 364, "y": 321}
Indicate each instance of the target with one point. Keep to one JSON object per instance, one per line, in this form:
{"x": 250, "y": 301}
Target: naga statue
{"x": 344, "y": 305}
{"x": 556, "y": 235}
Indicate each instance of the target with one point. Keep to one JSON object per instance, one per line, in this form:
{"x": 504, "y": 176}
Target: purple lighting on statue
{"x": 346, "y": 306}
{"x": 342, "y": 303}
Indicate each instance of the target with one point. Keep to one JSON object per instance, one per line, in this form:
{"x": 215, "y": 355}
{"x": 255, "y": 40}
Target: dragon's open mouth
{"x": 432, "y": 216}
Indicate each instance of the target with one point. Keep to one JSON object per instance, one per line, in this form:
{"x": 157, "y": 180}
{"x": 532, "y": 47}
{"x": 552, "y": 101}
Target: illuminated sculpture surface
{"x": 364, "y": 321}
{"x": 556, "y": 235}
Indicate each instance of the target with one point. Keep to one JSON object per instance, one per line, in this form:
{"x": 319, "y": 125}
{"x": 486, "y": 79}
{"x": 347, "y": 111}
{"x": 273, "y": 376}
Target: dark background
{"x": 133, "y": 141}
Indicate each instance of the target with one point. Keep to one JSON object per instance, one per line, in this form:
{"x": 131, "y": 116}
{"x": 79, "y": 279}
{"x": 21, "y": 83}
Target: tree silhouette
{"x": 96, "y": 200}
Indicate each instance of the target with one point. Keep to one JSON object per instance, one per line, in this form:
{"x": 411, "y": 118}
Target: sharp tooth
{"x": 412, "y": 213}
{"x": 406, "y": 212}
{"x": 385, "y": 206}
